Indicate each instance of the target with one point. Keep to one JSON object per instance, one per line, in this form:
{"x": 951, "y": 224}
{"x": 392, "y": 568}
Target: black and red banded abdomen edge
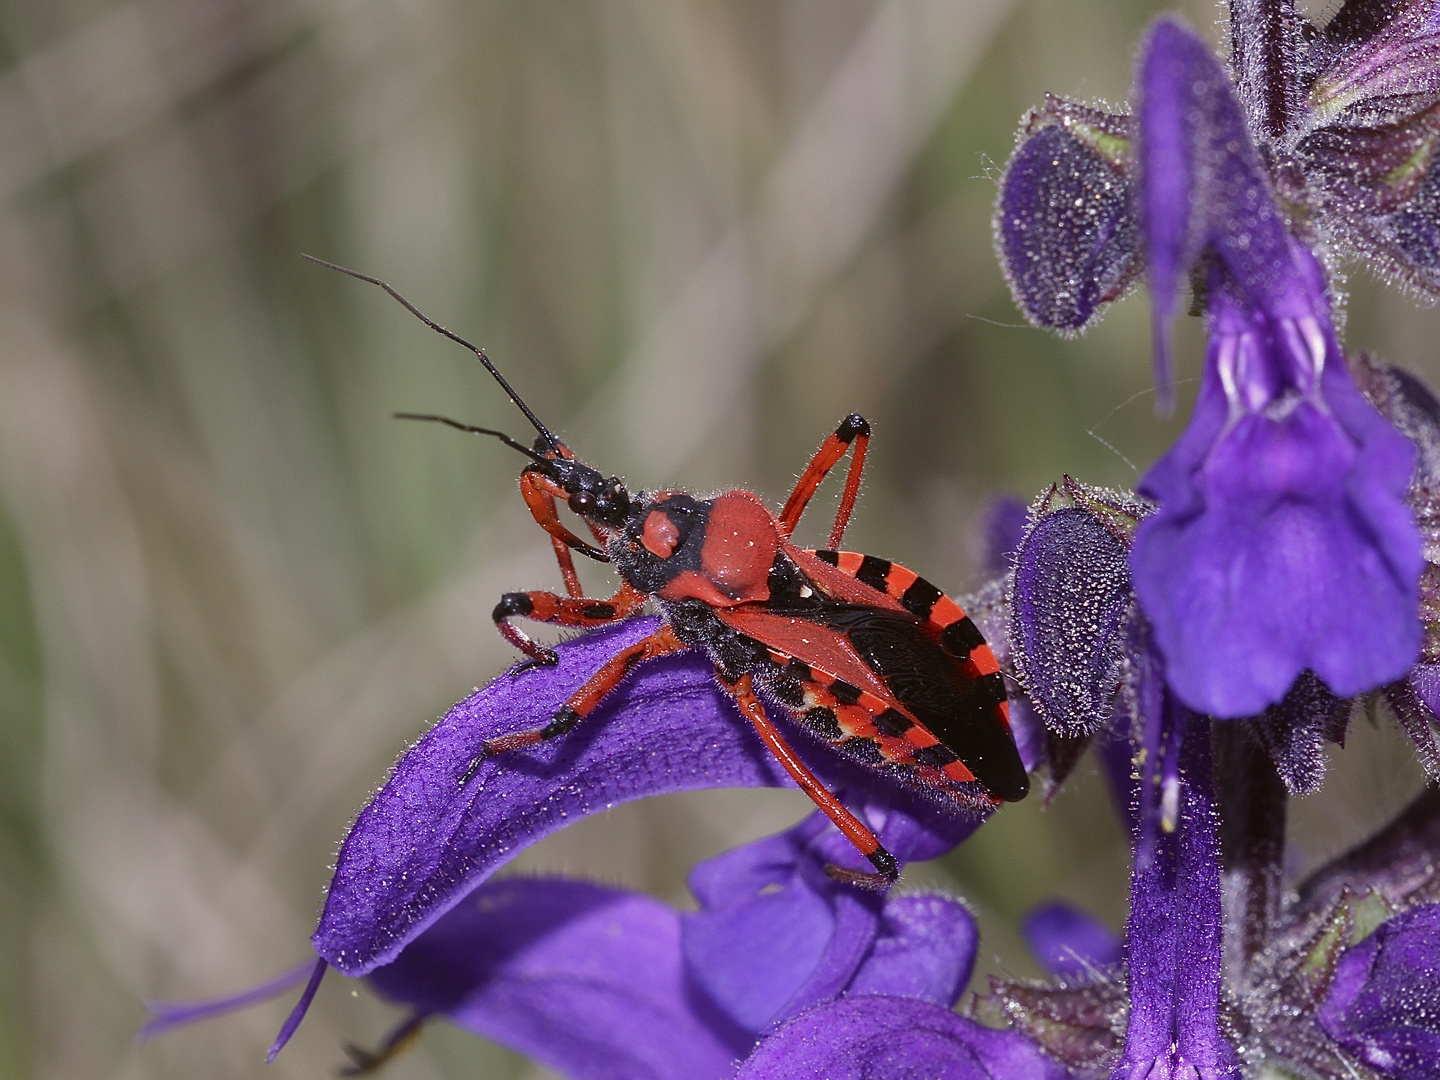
{"x": 946, "y": 675}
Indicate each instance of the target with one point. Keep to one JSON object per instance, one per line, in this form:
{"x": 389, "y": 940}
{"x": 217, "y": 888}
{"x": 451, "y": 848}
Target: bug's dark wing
{"x": 965, "y": 713}
{"x": 907, "y": 676}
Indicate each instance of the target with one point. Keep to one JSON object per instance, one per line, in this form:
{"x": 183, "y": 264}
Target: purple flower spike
{"x": 869, "y": 1037}
{"x": 1067, "y": 941}
{"x": 587, "y": 980}
{"x": 1384, "y": 1003}
{"x": 1283, "y": 541}
{"x": 427, "y": 839}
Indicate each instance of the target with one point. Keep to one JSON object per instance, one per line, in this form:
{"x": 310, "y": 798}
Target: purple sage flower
{"x": 440, "y": 826}
{"x": 1383, "y": 1006}
{"x": 1282, "y": 542}
{"x": 1068, "y": 941}
{"x": 599, "y": 982}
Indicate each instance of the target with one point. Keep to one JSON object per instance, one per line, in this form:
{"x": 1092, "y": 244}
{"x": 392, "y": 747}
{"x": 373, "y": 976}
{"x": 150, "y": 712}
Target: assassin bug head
{"x": 588, "y": 493}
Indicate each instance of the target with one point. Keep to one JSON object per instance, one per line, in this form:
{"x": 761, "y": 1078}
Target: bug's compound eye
{"x": 583, "y": 502}
{"x": 661, "y": 535}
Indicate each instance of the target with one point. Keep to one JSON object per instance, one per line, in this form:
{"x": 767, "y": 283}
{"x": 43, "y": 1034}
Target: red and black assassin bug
{"x": 868, "y": 655}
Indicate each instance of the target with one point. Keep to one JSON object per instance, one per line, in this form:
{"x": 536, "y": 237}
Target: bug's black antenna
{"x": 541, "y": 428}
{"x": 473, "y": 430}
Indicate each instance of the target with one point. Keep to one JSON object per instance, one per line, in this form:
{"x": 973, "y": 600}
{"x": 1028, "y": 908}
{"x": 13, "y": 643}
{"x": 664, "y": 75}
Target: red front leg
{"x": 562, "y": 611}
{"x": 540, "y": 493}
{"x": 854, "y": 430}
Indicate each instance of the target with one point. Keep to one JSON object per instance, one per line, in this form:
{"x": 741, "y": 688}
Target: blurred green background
{"x": 695, "y": 233}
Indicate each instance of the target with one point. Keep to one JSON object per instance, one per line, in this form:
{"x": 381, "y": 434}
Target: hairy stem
{"x": 1252, "y": 802}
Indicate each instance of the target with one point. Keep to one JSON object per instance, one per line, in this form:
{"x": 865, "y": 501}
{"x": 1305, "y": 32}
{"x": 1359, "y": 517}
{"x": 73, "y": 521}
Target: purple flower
{"x": 886, "y": 1038}
{"x": 1282, "y": 541}
{"x": 599, "y": 982}
{"x": 1383, "y": 1006}
{"x": 1067, "y": 941}
{"x": 440, "y": 826}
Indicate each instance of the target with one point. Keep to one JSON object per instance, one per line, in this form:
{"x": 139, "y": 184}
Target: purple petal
{"x": 768, "y": 916}
{"x": 1384, "y": 1003}
{"x": 1407, "y": 403}
{"x": 1174, "y": 935}
{"x": 925, "y": 950}
{"x": 1067, "y": 941}
{"x": 868, "y": 1037}
{"x": 1283, "y": 541}
{"x": 1202, "y": 180}
{"x": 426, "y": 839}
{"x": 1004, "y": 527}
{"x": 1172, "y": 228}
{"x": 586, "y": 980}
{"x": 775, "y": 934}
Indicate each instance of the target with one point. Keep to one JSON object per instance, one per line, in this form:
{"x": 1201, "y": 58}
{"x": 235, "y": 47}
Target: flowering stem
{"x": 1252, "y": 802}
{"x": 1263, "y": 39}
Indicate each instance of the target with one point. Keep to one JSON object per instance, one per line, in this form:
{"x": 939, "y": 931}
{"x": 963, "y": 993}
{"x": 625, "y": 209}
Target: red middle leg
{"x": 562, "y": 611}
{"x": 584, "y": 701}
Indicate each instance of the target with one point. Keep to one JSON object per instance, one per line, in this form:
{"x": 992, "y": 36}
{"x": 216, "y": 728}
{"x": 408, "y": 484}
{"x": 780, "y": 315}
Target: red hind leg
{"x": 853, "y": 430}
{"x": 562, "y": 611}
{"x": 855, "y": 830}
{"x": 584, "y": 701}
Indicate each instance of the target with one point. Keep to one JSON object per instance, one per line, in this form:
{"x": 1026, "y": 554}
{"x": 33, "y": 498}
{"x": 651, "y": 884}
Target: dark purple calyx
{"x": 1072, "y": 606}
{"x": 1065, "y": 226}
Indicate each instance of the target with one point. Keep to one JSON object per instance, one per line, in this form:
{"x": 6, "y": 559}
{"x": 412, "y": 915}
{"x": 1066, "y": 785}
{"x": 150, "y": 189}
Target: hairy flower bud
{"x": 1065, "y": 227}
